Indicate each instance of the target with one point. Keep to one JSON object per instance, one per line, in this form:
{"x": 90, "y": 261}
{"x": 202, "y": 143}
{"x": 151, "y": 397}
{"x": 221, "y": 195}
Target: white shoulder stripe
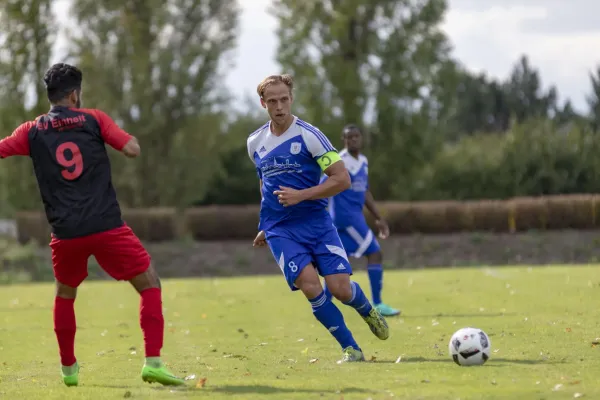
{"x": 259, "y": 130}
{"x": 315, "y": 131}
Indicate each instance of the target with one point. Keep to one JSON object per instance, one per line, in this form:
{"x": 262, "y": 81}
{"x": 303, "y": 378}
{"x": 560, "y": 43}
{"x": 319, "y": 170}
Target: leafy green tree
{"x": 27, "y": 31}
{"x": 566, "y": 114}
{"x": 237, "y": 182}
{"x": 481, "y": 105}
{"x": 525, "y": 95}
{"x": 157, "y": 68}
{"x": 593, "y": 99}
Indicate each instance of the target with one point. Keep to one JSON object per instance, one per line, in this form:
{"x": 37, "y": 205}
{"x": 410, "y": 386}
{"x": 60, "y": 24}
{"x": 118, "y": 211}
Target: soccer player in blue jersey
{"x": 346, "y": 209}
{"x": 290, "y": 155}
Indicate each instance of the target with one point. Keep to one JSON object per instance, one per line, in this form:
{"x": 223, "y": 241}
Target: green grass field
{"x": 252, "y": 339}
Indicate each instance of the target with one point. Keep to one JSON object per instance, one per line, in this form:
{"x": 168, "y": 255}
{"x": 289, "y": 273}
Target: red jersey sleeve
{"x": 111, "y": 133}
{"x": 17, "y": 144}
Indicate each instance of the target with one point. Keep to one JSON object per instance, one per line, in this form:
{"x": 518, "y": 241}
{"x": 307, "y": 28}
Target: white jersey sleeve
{"x": 254, "y": 140}
{"x": 316, "y": 141}
{"x": 251, "y": 149}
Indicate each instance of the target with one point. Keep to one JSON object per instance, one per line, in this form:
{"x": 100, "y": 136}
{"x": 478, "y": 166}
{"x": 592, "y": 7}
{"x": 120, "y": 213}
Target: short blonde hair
{"x": 272, "y": 80}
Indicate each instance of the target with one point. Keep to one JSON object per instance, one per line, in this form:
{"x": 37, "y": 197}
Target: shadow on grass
{"x": 265, "y": 389}
{"x": 112, "y": 386}
{"x": 242, "y": 389}
{"x": 472, "y": 315}
{"x": 493, "y": 360}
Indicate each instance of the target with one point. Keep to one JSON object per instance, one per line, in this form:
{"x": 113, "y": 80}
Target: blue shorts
{"x": 358, "y": 239}
{"x": 296, "y": 247}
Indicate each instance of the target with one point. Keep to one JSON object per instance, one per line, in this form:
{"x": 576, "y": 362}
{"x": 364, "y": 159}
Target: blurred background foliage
{"x": 434, "y": 130}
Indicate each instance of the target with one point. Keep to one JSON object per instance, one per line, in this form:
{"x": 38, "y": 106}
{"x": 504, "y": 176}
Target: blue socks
{"x": 376, "y": 279}
{"x": 327, "y": 292}
{"x": 333, "y": 320}
{"x": 359, "y": 301}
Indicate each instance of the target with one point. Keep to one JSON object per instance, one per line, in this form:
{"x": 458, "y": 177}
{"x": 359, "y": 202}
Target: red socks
{"x": 64, "y": 327}
{"x": 152, "y": 321}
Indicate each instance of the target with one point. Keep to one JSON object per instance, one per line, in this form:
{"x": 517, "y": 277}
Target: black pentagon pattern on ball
{"x": 455, "y": 358}
{"x": 456, "y": 344}
{"x": 467, "y": 354}
{"x": 484, "y": 357}
{"x": 484, "y": 340}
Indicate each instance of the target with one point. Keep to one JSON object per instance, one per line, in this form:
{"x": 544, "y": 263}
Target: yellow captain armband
{"x": 328, "y": 159}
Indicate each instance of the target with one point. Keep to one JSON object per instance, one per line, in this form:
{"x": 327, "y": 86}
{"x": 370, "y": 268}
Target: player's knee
{"x": 309, "y": 283}
{"x": 375, "y": 258}
{"x": 64, "y": 291}
{"x": 340, "y": 289}
{"x": 146, "y": 280}
{"x": 311, "y": 289}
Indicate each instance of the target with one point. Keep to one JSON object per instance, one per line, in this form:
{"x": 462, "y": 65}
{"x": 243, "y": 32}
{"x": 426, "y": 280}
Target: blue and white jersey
{"x": 288, "y": 160}
{"x": 347, "y": 206}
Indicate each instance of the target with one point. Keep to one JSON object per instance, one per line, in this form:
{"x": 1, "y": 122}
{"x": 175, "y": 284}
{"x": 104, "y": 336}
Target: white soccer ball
{"x": 470, "y": 346}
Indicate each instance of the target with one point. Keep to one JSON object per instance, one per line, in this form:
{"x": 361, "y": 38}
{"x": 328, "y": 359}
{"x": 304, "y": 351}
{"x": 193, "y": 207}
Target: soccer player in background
{"x": 346, "y": 209}
{"x": 67, "y": 148}
{"x": 289, "y": 155}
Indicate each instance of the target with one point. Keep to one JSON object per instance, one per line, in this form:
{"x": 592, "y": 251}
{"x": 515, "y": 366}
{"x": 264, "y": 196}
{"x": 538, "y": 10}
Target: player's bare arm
{"x": 259, "y": 240}
{"x": 384, "y": 230}
{"x": 338, "y": 181}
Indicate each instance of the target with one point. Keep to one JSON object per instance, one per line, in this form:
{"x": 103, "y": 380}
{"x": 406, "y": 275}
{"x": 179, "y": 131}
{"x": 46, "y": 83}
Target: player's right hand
{"x": 384, "y": 230}
{"x": 260, "y": 241}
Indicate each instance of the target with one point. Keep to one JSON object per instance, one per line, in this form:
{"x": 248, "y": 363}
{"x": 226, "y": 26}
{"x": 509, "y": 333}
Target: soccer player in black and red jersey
{"x": 71, "y": 164}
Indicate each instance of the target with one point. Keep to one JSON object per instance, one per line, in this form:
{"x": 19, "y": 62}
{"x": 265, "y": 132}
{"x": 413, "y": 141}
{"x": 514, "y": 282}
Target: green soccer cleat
{"x": 352, "y": 355}
{"x": 160, "y": 375}
{"x": 70, "y": 378}
{"x": 386, "y": 310}
{"x": 377, "y": 324}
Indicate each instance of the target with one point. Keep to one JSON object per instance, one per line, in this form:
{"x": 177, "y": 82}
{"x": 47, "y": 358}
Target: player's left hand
{"x": 384, "y": 230}
{"x": 288, "y": 196}
{"x": 260, "y": 240}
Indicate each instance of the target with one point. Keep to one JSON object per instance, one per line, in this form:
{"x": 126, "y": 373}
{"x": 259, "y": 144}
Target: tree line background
{"x": 435, "y": 131}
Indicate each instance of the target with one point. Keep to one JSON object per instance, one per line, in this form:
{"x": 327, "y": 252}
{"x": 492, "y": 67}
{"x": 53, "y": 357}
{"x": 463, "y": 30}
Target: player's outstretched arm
{"x": 16, "y": 144}
{"x": 132, "y": 148}
{"x": 114, "y": 136}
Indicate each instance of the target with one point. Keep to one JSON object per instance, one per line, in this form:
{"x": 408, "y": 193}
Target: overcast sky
{"x": 561, "y": 38}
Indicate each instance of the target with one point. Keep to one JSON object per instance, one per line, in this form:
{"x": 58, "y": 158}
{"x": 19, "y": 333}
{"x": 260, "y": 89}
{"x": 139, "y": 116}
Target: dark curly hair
{"x": 351, "y": 127}
{"x": 61, "y": 79}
